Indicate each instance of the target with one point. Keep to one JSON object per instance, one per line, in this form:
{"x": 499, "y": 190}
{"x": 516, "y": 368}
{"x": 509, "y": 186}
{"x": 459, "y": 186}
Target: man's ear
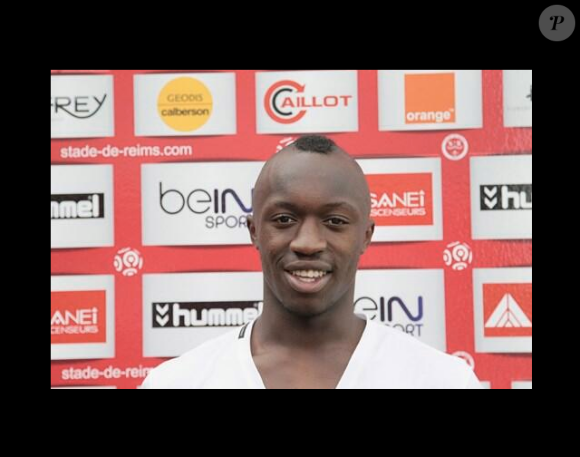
{"x": 368, "y": 235}
{"x": 252, "y": 231}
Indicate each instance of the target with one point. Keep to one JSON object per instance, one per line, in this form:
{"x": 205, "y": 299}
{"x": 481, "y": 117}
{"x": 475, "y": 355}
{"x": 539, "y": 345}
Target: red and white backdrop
{"x": 151, "y": 181}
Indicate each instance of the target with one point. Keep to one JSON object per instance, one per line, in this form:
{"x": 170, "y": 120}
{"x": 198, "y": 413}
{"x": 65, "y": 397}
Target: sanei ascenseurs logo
{"x": 216, "y": 205}
{"x": 204, "y": 314}
{"x": 77, "y": 206}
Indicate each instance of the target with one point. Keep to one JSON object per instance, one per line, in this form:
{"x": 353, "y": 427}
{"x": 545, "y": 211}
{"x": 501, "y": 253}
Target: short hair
{"x": 314, "y": 143}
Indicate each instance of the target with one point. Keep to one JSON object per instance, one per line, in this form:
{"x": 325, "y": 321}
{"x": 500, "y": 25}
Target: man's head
{"x": 311, "y": 218}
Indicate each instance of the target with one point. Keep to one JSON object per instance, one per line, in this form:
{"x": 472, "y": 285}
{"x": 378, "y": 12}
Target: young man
{"x": 311, "y": 223}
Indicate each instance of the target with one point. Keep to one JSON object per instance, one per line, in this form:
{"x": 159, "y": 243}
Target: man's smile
{"x": 308, "y": 281}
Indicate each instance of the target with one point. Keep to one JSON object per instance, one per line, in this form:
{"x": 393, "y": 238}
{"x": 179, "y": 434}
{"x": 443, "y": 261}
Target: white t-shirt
{"x": 385, "y": 358}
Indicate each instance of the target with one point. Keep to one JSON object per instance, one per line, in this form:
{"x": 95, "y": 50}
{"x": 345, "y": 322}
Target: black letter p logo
{"x": 556, "y": 20}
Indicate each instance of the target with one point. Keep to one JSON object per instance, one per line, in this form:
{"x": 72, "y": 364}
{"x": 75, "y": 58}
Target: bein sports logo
{"x": 201, "y": 202}
{"x": 383, "y": 310}
{"x": 505, "y": 197}
{"x": 208, "y": 314}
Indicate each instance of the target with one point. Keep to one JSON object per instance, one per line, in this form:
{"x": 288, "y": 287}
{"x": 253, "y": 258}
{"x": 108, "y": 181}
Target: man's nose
{"x": 309, "y": 239}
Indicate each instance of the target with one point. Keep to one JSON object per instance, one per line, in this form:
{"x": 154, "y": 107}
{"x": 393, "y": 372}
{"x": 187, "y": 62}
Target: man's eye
{"x": 283, "y": 219}
{"x": 337, "y": 221}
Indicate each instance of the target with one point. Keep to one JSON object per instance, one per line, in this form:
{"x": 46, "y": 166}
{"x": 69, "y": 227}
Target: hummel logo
{"x": 162, "y": 311}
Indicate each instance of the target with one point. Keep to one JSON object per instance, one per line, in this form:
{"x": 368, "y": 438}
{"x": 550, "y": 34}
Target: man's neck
{"x": 279, "y": 327}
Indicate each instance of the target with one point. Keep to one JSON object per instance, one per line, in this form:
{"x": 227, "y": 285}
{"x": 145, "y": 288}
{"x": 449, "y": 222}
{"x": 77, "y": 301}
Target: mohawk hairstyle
{"x": 314, "y": 143}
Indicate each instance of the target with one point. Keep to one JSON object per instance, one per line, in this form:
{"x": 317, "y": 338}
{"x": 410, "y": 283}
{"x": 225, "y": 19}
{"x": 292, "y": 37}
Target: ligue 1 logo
{"x": 284, "y": 143}
{"x": 458, "y": 256}
{"x": 128, "y": 261}
{"x": 467, "y": 357}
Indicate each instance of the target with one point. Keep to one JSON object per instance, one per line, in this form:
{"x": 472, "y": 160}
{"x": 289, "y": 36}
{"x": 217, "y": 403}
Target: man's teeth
{"x": 309, "y": 275}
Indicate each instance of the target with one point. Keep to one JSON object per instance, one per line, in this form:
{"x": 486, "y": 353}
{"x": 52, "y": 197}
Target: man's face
{"x": 311, "y": 224}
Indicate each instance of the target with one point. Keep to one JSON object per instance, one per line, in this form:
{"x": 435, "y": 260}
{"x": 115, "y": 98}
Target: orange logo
{"x": 507, "y": 309}
{"x": 78, "y": 317}
{"x": 401, "y": 199}
{"x": 430, "y": 98}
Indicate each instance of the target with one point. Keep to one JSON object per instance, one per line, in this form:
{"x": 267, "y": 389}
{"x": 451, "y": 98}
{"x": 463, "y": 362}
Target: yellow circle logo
{"x": 185, "y": 104}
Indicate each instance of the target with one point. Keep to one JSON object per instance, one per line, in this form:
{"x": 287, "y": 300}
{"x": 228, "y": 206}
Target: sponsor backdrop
{"x": 151, "y": 183}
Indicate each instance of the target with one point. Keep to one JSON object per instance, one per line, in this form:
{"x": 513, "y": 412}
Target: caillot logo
{"x": 430, "y": 98}
{"x": 401, "y": 199}
{"x": 185, "y": 104}
{"x": 79, "y": 107}
{"x": 77, "y": 206}
{"x": 506, "y": 197}
{"x": 507, "y": 309}
{"x": 288, "y": 101}
{"x": 219, "y": 206}
{"x": 78, "y": 317}
{"x": 392, "y": 311}
{"x": 204, "y": 314}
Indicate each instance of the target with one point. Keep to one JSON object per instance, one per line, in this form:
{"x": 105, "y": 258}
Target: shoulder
{"x": 191, "y": 368}
{"x": 415, "y": 364}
